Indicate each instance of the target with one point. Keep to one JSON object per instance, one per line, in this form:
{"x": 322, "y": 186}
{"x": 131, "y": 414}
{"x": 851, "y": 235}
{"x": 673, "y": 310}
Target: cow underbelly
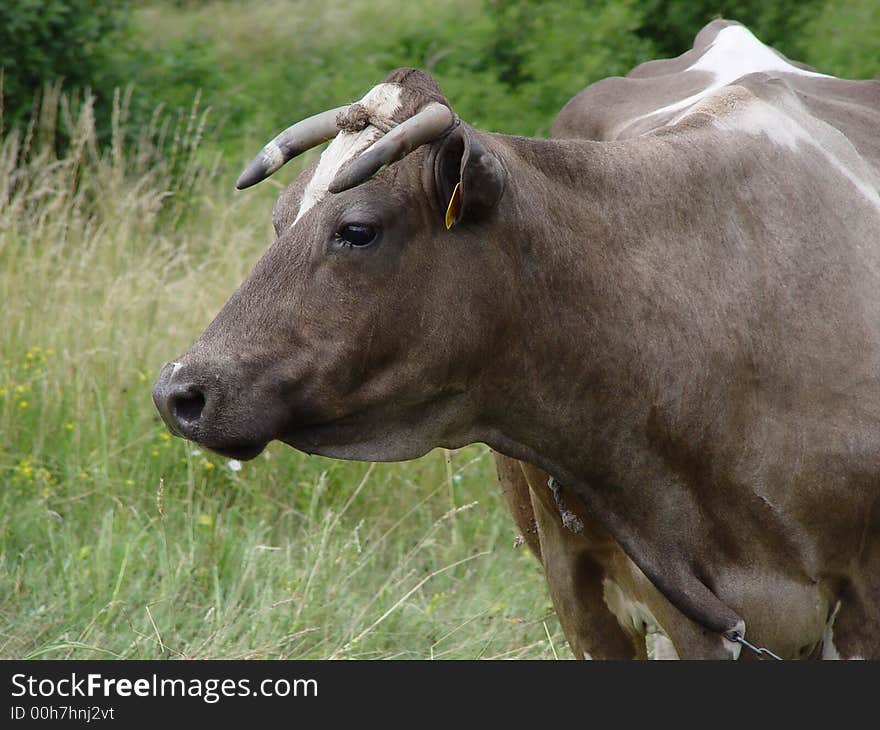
{"x": 788, "y": 616}
{"x": 786, "y": 608}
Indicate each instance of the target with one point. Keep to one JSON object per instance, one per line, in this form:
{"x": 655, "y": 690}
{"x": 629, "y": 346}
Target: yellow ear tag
{"x": 454, "y": 206}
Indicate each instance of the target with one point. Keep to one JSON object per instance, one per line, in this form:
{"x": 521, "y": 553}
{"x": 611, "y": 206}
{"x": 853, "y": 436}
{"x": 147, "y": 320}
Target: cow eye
{"x": 357, "y": 234}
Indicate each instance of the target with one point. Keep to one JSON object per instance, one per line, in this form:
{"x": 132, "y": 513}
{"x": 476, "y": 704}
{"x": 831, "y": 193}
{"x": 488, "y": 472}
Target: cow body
{"x": 827, "y": 126}
{"x": 803, "y": 120}
{"x": 673, "y": 308}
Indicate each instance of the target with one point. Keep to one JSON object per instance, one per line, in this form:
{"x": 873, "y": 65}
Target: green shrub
{"x": 43, "y": 41}
{"x": 844, "y": 39}
{"x": 671, "y": 25}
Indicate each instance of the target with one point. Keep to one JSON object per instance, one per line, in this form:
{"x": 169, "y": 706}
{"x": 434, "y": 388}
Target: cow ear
{"x": 469, "y": 177}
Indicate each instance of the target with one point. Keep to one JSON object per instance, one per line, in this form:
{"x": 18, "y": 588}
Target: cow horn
{"x": 291, "y": 142}
{"x": 423, "y": 127}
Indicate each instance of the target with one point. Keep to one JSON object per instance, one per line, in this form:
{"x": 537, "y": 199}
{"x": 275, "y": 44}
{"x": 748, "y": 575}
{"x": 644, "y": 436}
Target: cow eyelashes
{"x": 357, "y": 234}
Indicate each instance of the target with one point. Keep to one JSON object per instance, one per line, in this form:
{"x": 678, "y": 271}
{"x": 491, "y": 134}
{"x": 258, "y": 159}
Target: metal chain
{"x": 759, "y": 650}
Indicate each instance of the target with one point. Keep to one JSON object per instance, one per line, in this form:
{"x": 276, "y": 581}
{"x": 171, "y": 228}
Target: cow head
{"x": 365, "y": 330}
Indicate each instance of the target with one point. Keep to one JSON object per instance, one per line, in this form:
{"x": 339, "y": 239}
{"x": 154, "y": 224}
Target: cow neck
{"x": 582, "y": 212}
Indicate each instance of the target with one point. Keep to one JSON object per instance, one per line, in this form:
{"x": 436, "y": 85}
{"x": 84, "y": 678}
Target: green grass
{"x": 117, "y": 541}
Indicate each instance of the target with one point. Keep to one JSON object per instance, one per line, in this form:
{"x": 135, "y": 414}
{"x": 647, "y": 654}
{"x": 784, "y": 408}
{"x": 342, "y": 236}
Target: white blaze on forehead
{"x": 734, "y": 53}
{"x": 382, "y": 102}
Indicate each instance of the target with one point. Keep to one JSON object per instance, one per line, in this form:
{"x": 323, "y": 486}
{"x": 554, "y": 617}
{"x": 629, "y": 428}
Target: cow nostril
{"x": 187, "y": 407}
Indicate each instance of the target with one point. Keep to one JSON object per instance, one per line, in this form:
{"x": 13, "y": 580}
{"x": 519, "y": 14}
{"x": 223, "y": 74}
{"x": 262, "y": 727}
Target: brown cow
{"x": 673, "y": 307}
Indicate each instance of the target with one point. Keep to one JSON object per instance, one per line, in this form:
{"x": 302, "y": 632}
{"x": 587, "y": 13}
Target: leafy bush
{"x": 42, "y": 41}
{"x": 541, "y": 54}
{"x": 844, "y": 39}
{"x": 671, "y": 25}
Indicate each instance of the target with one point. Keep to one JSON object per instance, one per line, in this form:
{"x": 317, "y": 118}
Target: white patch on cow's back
{"x": 382, "y": 101}
{"x": 734, "y": 53}
{"x": 757, "y": 117}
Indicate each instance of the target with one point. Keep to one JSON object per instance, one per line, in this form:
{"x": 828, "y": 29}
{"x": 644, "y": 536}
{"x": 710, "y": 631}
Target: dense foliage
{"x": 672, "y": 24}
{"x": 508, "y": 65}
{"x": 42, "y": 41}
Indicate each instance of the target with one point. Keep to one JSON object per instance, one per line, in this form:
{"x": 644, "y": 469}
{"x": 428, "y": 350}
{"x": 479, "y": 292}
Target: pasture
{"x": 118, "y": 244}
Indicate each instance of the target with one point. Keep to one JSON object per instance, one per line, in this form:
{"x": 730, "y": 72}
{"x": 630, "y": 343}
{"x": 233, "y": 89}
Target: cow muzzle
{"x": 181, "y": 402}
{"x": 193, "y": 404}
